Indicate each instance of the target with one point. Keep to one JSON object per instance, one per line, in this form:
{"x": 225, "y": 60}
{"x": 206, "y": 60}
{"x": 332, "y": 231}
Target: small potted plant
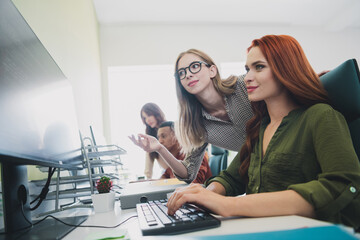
{"x": 105, "y": 199}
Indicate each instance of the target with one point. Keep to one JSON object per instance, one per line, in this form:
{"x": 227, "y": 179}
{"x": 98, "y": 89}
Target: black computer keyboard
{"x": 154, "y": 220}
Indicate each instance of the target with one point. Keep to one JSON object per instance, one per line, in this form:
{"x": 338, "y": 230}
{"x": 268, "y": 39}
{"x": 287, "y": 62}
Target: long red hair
{"x": 291, "y": 68}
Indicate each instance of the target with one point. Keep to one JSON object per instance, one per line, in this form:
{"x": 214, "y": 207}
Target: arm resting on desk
{"x": 286, "y": 202}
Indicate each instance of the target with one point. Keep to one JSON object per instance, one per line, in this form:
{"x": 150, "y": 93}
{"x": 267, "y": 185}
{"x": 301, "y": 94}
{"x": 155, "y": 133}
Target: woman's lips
{"x": 192, "y": 83}
{"x": 251, "y": 89}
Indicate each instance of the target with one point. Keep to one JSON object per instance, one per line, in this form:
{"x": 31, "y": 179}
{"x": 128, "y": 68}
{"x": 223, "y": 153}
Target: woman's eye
{"x": 247, "y": 69}
{"x": 181, "y": 73}
{"x": 259, "y": 67}
{"x": 195, "y": 66}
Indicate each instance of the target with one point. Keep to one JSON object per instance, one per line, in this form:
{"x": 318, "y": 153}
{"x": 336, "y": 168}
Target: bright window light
{"x": 130, "y": 87}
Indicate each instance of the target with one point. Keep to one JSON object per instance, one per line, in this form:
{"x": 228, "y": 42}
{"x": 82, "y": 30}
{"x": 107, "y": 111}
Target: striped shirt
{"x": 225, "y": 134}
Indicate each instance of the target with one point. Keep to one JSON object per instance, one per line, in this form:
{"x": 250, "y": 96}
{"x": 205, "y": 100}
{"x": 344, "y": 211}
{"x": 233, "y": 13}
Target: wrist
{"x": 161, "y": 149}
{"x": 216, "y": 188}
{"x": 230, "y": 203}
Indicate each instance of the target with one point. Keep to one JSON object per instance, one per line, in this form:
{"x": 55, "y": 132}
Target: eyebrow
{"x": 256, "y": 62}
{"x": 192, "y": 63}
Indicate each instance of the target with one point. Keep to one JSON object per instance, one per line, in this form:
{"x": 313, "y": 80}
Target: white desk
{"x": 228, "y": 226}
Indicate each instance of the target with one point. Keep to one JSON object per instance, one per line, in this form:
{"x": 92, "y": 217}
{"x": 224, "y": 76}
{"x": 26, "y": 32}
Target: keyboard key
{"x": 153, "y": 223}
{"x": 162, "y": 216}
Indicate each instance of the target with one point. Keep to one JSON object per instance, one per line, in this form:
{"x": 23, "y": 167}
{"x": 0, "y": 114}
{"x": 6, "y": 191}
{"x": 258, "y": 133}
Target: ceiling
{"x": 334, "y": 15}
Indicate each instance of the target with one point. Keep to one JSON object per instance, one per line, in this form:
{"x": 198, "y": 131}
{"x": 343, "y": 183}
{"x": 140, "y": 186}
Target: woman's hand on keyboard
{"x": 200, "y": 196}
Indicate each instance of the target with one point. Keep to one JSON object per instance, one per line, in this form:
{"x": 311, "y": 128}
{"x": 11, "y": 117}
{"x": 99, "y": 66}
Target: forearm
{"x": 280, "y": 203}
{"x": 175, "y": 164}
{"x": 216, "y": 188}
{"x": 162, "y": 162}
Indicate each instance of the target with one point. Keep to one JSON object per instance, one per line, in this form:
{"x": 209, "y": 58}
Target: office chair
{"x": 343, "y": 87}
{"x": 218, "y": 160}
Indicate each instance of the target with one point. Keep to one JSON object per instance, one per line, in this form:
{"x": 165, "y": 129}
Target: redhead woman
{"x": 298, "y": 158}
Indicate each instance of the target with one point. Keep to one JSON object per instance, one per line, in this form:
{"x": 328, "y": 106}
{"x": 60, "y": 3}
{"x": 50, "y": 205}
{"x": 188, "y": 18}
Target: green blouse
{"x": 311, "y": 153}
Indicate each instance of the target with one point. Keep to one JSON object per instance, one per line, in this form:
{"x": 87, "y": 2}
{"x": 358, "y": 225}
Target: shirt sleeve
{"x": 203, "y": 171}
{"x": 192, "y": 163}
{"x": 230, "y": 178}
{"x": 166, "y": 174}
{"x": 335, "y": 193}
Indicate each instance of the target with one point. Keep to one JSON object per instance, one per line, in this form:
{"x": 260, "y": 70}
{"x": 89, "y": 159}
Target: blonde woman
{"x": 212, "y": 111}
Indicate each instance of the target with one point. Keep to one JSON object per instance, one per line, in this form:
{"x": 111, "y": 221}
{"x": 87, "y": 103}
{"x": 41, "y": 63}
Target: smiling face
{"x": 149, "y": 120}
{"x": 195, "y": 83}
{"x": 260, "y": 82}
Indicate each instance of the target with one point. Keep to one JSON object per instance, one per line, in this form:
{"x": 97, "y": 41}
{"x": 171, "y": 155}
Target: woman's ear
{"x": 213, "y": 71}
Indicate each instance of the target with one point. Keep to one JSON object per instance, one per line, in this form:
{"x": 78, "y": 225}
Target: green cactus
{"x": 104, "y": 184}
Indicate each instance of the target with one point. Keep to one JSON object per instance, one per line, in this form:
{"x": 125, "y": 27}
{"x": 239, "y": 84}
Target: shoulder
{"x": 240, "y": 81}
{"x": 239, "y": 86}
{"x": 322, "y": 111}
{"x": 241, "y": 78}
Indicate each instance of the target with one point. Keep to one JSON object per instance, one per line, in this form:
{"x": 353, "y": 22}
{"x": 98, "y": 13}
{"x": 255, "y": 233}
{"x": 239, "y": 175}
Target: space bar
{"x": 163, "y": 217}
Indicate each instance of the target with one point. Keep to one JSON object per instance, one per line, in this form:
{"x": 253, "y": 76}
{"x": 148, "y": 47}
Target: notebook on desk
{"x": 144, "y": 191}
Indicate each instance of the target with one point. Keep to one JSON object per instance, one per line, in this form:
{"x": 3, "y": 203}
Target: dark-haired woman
{"x": 152, "y": 116}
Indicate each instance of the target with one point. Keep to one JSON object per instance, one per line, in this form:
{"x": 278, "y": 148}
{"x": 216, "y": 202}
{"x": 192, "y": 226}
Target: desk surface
{"x": 228, "y": 225}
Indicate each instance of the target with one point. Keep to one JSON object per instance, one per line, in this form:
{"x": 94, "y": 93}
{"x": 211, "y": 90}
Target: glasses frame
{"x": 188, "y": 67}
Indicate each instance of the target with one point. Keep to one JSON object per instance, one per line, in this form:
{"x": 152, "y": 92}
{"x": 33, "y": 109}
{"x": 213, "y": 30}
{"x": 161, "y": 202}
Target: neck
{"x": 280, "y": 108}
{"x": 211, "y": 101}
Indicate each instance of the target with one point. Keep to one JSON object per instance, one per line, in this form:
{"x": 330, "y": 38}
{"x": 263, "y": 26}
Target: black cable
{"x": 44, "y": 190}
{"x": 22, "y": 213}
{"x": 73, "y": 225}
{"x": 90, "y": 226}
{"x": 24, "y": 228}
{"x": 68, "y": 224}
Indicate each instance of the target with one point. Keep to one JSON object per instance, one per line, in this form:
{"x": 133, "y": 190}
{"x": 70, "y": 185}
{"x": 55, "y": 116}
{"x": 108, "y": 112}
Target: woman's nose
{"x": 188, "y": 73}
{"x": 248, "y": 78}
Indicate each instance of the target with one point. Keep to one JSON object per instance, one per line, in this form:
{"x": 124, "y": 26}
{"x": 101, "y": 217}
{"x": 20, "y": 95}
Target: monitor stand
{"x": 47, "y": 229}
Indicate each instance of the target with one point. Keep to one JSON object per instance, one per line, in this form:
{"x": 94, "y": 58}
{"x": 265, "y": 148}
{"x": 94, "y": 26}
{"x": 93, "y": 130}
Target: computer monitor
{"x": 38, "y": 123}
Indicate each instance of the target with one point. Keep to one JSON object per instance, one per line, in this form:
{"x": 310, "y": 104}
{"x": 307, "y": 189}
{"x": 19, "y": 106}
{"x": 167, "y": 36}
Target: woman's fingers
{"x": 183, "y": 195}
{"x": 144, "y": 142}
{"x": 133, "y": 139}
{"x": 141, "y": 141}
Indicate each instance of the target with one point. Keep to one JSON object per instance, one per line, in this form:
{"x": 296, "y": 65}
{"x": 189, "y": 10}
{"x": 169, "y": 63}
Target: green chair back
{"x": 218, "y": 160}
{"x": 343, "y": 87}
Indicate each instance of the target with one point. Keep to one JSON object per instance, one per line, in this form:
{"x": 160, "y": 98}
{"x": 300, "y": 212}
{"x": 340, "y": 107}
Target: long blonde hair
{"x": 190, "y": 128}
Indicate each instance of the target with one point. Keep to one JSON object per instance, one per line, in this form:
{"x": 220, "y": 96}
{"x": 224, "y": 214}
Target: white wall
{"x": 150, "y": 44}
{"x": 69, "y": 31}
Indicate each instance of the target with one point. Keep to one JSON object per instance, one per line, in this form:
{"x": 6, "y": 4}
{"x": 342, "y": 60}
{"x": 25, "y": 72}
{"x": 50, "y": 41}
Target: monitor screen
{"x": 38, "y": 123}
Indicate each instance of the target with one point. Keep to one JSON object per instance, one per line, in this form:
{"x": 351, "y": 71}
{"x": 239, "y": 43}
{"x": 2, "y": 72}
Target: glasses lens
{"x": 181, "y": 74}
{"x": 195, "y": 67}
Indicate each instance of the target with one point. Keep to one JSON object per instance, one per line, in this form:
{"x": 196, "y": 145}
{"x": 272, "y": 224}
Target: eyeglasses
{"x": 194, "y": 67}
